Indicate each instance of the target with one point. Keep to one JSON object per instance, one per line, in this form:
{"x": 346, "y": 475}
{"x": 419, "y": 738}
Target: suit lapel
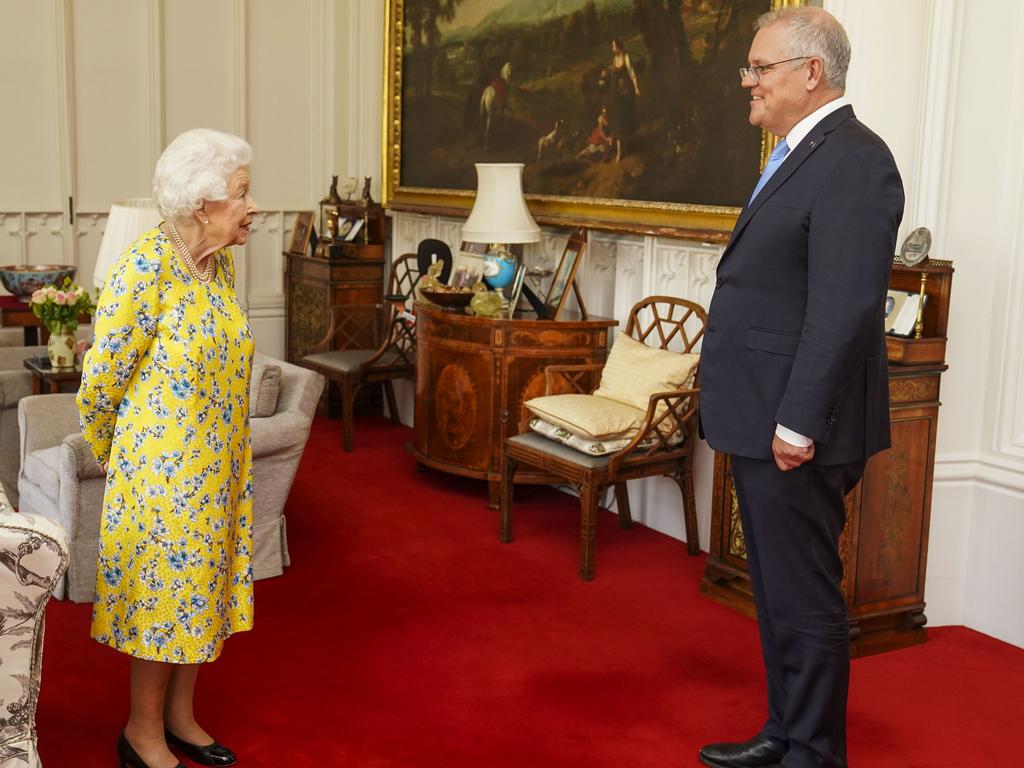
{"x": 810, "y": 144}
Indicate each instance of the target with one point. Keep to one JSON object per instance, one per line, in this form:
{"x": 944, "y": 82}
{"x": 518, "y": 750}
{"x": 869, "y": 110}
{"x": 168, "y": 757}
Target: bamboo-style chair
{"x": 668, "y": 323}
{"x": 369, "y": 344}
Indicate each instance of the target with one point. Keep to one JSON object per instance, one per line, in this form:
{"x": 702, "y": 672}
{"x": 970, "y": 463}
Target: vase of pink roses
{"x": 59, "y": 309}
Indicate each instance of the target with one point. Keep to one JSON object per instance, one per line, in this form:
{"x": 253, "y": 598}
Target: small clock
{"x": 915, "y": 248}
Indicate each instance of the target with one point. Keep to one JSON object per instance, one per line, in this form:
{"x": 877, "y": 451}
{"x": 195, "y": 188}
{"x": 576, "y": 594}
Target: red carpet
{"x": 406, "y": 635}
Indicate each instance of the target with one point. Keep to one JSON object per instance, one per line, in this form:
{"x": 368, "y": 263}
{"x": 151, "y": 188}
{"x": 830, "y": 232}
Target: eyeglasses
{"x": 755, "y": 72}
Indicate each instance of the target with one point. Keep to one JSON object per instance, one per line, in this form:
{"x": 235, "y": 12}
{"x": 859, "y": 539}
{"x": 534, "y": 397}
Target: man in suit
{"x": 794, "y": 372}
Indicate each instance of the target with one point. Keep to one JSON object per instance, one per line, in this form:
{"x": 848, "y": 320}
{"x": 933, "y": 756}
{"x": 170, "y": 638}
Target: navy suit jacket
{"x": 795, "y": 332}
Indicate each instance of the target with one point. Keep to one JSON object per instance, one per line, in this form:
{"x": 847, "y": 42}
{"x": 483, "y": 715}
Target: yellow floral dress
{"x": 165, "y": 398}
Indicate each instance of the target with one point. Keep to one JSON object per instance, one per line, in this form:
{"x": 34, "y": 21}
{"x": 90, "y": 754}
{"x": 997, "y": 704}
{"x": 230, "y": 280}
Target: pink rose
{"x": 50, "y": 292}
{"x": 60, "y": 298}
{"x": 39, "y": 296}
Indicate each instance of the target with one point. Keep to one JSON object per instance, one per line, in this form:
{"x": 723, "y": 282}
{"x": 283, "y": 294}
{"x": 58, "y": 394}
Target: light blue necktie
{"x": 774, "y": 161}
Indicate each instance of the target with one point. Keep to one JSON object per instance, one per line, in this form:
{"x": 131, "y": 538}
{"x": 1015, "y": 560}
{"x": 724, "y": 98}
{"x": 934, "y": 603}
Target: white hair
{"x": 196, "y": 166}
{"x": 814, "y": 32}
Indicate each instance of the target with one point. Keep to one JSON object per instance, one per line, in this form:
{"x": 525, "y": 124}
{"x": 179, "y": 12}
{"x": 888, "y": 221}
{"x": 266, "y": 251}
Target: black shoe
{"x": 128, "y": 757}
{"x": 759, "y": 752}
{"x": 212, "y": 754}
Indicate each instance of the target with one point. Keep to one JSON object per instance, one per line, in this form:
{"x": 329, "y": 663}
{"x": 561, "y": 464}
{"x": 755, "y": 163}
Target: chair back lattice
{"x": 675, "y": 324}
{"x": 405, "y": 273}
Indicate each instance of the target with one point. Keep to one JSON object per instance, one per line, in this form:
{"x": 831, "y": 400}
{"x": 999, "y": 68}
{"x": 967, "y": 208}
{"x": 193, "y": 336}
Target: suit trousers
{"x": 791, "y": 524}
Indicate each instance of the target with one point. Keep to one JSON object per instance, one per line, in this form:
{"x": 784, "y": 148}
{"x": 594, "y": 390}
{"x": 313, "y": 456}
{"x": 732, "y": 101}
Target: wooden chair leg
{"x": 389, "y": 393}
{"x": 622, "y": 504}
{"x": 685, "y": 481}
{"x": 508, "y": 473}
{"x": 348, "y": 397}
{"x": 588, "y": 529}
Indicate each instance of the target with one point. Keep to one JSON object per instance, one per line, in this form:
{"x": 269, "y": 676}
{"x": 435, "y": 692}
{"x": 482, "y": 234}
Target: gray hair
{"x": 814, "y": 32}
{"x": 195, "y": 167}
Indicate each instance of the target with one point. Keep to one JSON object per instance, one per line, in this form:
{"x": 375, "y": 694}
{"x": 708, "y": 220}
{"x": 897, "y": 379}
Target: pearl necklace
{"x": 186, "y": 254}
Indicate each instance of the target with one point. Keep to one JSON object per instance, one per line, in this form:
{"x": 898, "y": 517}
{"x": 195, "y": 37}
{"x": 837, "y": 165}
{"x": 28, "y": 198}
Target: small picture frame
{"x": 349, "y": 187}
{"x": 562, "y": 280}
{"x": 901, "y": 312}
{"x": 468, "y": 265}
{"x": 302, "y": 231}
{"x": 355, "y": 227}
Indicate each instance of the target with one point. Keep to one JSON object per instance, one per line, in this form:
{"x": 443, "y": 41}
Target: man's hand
{"x": 788, "y": 456}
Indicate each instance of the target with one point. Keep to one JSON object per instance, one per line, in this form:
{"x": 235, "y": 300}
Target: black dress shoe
{"x": 128, "y": 757}
{"x": 759, "y": 752}
{"x": 211, "y": 754}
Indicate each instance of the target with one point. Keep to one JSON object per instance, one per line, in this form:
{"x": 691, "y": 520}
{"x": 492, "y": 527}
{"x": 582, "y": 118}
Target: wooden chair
{"x": 671, "y": 323}
{"x": 369, "y": 344}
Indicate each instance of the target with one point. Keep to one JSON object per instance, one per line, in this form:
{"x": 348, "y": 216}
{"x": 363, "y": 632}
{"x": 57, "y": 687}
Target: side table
{"x": 46, "y": 380}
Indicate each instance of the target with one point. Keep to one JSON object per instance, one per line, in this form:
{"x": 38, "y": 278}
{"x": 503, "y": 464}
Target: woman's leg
{"x": 178, "y": 713}
{"x": 145, "y": 728}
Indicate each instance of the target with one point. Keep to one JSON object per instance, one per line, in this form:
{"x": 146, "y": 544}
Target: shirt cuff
{"x": 791, "y": 437}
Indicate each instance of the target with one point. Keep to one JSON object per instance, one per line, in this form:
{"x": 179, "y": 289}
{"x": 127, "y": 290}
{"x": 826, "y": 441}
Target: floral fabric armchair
{"x": 33, "y": 557}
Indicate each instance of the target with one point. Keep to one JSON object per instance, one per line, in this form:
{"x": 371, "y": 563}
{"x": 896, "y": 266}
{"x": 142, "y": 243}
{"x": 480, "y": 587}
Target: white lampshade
{"x": 127, "y": 220}
{"x": 500, "y": 214}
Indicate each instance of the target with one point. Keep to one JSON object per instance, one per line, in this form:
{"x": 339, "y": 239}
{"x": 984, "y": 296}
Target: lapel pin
{"x": 812, "y": 145}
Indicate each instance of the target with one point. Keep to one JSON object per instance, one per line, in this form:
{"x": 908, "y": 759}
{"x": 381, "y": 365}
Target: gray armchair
{"x": 15, "y": 383}
{"x": 59, "y": 478}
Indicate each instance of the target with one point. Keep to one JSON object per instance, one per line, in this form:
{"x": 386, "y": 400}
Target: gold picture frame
{"x": 709, "y": 222}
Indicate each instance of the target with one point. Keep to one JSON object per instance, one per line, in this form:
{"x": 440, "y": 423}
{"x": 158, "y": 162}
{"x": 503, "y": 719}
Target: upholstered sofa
{"x": 15, "y": 383}
{"x": 33, "y": 557}
{"x": 60, "y": 479}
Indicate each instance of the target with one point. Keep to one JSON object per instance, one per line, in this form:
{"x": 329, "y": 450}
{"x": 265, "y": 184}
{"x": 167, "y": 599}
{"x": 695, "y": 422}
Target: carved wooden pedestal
{"x": 473, "y": 375}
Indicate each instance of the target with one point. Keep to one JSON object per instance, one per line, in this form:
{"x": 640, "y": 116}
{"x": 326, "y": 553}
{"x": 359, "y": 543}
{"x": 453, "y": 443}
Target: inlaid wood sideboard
{"x": 884, "y": 546}
{"x": 473, "y": 375}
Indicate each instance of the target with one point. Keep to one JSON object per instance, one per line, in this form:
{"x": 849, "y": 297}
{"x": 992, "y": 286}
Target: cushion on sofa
{"x": 264, "y": 388}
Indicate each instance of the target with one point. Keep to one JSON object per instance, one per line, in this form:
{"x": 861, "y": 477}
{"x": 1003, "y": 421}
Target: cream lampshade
{"x": 127, "y": 220}
{"x": 499, "y": 213}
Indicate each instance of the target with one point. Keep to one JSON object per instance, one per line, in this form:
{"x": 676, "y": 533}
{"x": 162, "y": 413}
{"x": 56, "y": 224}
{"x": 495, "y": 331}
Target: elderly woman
{"x": 164, "y": 407}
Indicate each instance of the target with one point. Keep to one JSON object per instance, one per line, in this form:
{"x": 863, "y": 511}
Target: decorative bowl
{"x": 24, "y": 281}
{"x": 447, "y": 299}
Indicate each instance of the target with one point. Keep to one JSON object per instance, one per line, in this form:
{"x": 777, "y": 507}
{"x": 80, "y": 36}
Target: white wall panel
{"x": 282, "y": 75}
{"x": 201, "y": 78}
{"x": 30, "y": 136}
{"x": 115, "y": 57}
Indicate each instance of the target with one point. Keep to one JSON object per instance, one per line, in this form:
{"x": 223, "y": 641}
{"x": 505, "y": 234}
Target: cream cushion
{"x": 635, "y": 371}
{"x": 264, "y": 389}
{"x": 596, "y": 418}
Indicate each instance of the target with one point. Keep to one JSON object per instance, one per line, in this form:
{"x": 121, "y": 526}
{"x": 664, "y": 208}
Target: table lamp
{"x": 500, "y": 218}
{"x": 127, "y": 220}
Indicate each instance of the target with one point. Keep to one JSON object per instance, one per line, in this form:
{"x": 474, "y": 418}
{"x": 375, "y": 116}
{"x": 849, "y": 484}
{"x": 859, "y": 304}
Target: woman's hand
{"x": 104, "y": 465}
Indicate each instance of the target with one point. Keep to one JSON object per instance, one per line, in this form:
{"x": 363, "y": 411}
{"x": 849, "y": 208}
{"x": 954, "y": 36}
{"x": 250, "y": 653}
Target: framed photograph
{"x": 354, "y": 228}
{"x": 901, "y": 312}
{"x": 349, "y": 188}
{"x": 565, "y": 274}
{"x": 468, "y": 265}
{"x": 627, "y": 115}
{"x": 302, "y": 231}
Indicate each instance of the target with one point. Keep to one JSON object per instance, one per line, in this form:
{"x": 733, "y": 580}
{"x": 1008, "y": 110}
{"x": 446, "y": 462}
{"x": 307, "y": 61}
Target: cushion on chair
{"x": 581, "y": 442}
{"x": 635, "y": 371}
{"x": 264, "y": 388}
{"x": 593, "y": 418}
{"x": 537, "y": 441}
{"x": 42, "y": 468}
{"x": 348, "y": 360}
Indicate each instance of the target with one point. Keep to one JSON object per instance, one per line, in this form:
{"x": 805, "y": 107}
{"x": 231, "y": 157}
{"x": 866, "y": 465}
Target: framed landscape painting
{"x": 628, "y": 114}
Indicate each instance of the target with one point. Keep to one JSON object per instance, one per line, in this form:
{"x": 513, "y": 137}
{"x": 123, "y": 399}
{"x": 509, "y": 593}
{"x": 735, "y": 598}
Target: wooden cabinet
{"x": 314, "y": 284}
{"x": 473, "y": 375}
{"x": 884, "y": 546}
